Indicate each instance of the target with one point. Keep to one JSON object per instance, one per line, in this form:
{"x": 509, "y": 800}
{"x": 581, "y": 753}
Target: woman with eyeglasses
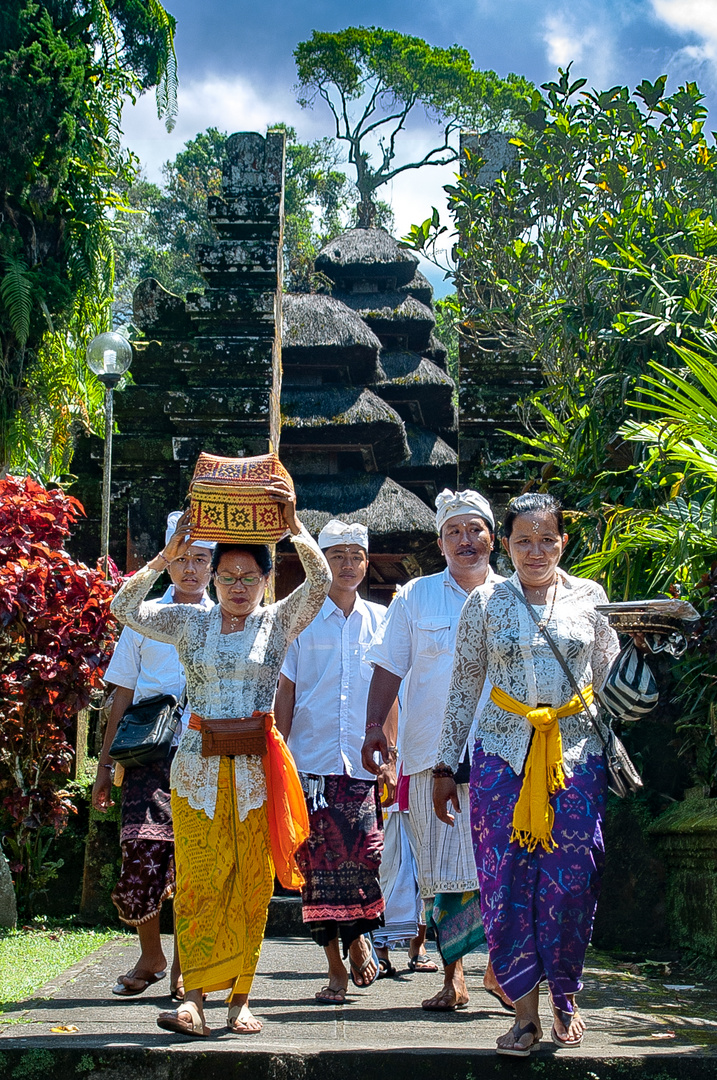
{"x": 232, "y": 656}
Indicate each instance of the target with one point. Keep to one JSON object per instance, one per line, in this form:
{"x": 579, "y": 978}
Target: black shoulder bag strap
{"x": 559, "y": 657}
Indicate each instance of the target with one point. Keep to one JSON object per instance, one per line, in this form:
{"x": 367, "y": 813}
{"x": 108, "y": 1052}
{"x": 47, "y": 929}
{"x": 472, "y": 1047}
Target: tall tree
{"x": 66, "y": 68}
{"x": 373, "y": 79}
{"x": 570, "y": 255}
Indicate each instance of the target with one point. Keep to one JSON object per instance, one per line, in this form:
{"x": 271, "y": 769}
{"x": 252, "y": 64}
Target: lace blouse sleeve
{"x": 470, "y": 664}
{"x": 163, "y": 623}
{"x": 296, "y": 611}
{"x": 607, "y": 644}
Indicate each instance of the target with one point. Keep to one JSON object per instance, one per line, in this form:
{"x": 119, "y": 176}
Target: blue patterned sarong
{"x": 538, "y": 907}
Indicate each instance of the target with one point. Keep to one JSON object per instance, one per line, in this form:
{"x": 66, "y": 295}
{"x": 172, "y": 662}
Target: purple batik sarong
{"x": 538, "y": 907}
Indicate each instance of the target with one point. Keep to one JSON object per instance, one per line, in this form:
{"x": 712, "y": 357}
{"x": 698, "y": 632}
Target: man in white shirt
{"x": 415, "y": 646}
{"x": 140, "y": 669}
{"x": 320, "y": 708}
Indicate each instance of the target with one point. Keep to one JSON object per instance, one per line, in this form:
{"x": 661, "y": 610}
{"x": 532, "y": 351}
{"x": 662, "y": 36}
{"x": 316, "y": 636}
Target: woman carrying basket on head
{"x": 232, "y": 819}
{"x": 538, "y": 780}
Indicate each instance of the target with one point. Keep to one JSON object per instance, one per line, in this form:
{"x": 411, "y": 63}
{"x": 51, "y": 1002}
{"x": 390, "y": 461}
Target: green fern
{"x": 16, "y": 293}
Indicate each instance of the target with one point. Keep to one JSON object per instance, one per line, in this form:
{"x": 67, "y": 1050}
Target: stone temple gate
{"x": 350, "y": 386}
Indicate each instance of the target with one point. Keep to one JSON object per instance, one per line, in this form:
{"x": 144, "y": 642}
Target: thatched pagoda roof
{"x": 401, "y": 368}
{"x": 319, "y": 331}
{"x": 417, "y": 388}
{"x": 436, "y": 351}
{"x": 365, "y": 294}
{"x": 432, "y": 466}
{"x": 397, "y": 520}
{"x": 405, "y": 322}
{"x": 428, "y": 450}
{"x": 366, "y": 254}
{"x": 343, "y": 418}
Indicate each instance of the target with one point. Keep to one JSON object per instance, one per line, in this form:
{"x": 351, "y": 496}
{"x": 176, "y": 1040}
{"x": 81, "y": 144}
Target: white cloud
{"x": 588, "y": 40}
{"x": 690, "y": 16}
{"x": 228, "y": 104}
{"x": 563, "y": 42}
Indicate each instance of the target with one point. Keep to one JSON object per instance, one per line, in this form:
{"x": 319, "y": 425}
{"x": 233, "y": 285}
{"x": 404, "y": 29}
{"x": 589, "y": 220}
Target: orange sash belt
{"x": 285, "y": 802}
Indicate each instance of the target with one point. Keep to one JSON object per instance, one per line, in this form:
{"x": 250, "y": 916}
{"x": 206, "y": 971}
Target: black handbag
{"x": 622, "y": 776}
{"x": 146, "y": 731}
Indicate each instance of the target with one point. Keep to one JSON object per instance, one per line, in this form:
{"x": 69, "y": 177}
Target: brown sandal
{"x": 172, "y": 1021}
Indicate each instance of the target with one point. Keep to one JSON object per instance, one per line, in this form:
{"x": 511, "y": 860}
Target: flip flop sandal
{"x": 420, "y": 963}
{"x": 386, "y": 970}
{"x": 233, "y": 1014}
{"x": 330, "y": 990}
{"x": 356, "y": 970}
{"x": 518, "y": 1033}
{"x": 498, "y": 998}
{"x": 172, "y": 1021}
{"x": 565, "y": 1018}
{"x": 120, "y": 990}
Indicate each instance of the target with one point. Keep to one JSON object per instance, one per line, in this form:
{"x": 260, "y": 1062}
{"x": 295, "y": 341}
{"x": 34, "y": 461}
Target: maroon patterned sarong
{"x": 147, "y": 839}
{"x": 341, "y": 858}
{"x": 146, "y": 803}
{"x": 538, "y": 907}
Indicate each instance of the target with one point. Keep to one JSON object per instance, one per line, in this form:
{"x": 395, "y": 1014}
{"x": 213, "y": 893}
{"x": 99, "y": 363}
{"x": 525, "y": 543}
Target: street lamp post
{"x": 108, "y": 356}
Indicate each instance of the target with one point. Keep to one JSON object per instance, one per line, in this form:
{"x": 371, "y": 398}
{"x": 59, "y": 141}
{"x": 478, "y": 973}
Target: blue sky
{"x": 237, "y": 71}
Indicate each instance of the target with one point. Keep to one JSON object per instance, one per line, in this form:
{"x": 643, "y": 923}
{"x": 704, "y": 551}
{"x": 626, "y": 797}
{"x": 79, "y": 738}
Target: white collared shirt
{"x": 150, "y": 667}
{"x": 326, "y": 664}
{"x": 416, "y": 641}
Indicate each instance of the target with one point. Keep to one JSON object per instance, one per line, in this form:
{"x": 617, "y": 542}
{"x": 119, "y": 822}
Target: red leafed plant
{"x": 56, "y": 637}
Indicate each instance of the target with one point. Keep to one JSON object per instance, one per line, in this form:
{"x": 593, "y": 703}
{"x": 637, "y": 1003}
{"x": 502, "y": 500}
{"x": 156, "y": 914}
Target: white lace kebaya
{"x": 228, "y": 675}
{"x": 498, "y": 640}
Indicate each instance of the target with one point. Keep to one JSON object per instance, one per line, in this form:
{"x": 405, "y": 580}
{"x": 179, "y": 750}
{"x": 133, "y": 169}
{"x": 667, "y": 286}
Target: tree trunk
{"x": 366, "y": 211}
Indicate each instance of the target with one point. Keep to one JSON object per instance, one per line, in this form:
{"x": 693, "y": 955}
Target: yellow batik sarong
{"x": 225, "y": 880}
{"x": 533, "y": 816}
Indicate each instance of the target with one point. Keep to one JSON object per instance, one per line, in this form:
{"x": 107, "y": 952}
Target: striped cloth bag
{"x": 630, "y": 691}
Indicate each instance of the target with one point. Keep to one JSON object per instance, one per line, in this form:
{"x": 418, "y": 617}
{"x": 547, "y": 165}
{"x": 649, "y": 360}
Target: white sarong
{"x": 444, "y": 854}
{"x": 404, "y": 909}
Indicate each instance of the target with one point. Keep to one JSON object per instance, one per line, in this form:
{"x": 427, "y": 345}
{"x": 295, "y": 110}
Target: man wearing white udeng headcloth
{"x": 320, "y": 709}
{"x": 415, "y": 645}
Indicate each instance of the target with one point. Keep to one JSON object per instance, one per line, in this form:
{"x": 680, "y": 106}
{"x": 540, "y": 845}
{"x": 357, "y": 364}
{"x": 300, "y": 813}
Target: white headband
{"x": 339, "y": 532}
{"x": 452, "y": 503}
{"x": 172, "y": 520}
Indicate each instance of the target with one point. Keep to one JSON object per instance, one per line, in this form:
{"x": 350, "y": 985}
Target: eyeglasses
{"x": 247, "y": 580}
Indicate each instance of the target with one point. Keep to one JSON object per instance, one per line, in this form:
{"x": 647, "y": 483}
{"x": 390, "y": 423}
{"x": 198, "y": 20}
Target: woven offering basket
{"x": 229, "y": 503}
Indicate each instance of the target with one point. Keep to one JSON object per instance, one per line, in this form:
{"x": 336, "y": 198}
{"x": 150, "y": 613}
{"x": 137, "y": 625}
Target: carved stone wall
{"x": 207, "y": 374}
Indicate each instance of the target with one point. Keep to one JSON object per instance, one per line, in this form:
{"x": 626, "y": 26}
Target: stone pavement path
{"x": 629, "y": 1015}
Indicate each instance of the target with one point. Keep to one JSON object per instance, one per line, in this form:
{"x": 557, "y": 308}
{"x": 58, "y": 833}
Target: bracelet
{"x": 101, "y": 765}
{"x": 392, "y": 752}
{"x": 441, "y": 772}
{"x": 164, "y": 558}
{"x": 374, "y": 723}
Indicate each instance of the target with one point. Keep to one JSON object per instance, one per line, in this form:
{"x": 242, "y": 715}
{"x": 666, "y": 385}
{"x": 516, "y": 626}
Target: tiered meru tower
{"x": 368, "y": 421}
{"x": 368, "y": 417}
{"x": 207, "y": 375}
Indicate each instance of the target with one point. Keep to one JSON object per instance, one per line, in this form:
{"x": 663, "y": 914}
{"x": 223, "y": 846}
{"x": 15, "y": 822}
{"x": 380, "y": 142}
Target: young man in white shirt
{"x": 320, "y": 709}
{"x": 415, "y": 645}
{"x": 141, "y": 668}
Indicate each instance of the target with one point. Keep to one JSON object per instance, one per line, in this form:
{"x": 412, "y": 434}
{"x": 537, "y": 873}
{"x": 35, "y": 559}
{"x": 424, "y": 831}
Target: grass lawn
{"x": 33, "y": 955}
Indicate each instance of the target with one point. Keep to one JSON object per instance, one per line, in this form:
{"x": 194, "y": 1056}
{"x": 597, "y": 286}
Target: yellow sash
{"x": 533, "y": 815}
